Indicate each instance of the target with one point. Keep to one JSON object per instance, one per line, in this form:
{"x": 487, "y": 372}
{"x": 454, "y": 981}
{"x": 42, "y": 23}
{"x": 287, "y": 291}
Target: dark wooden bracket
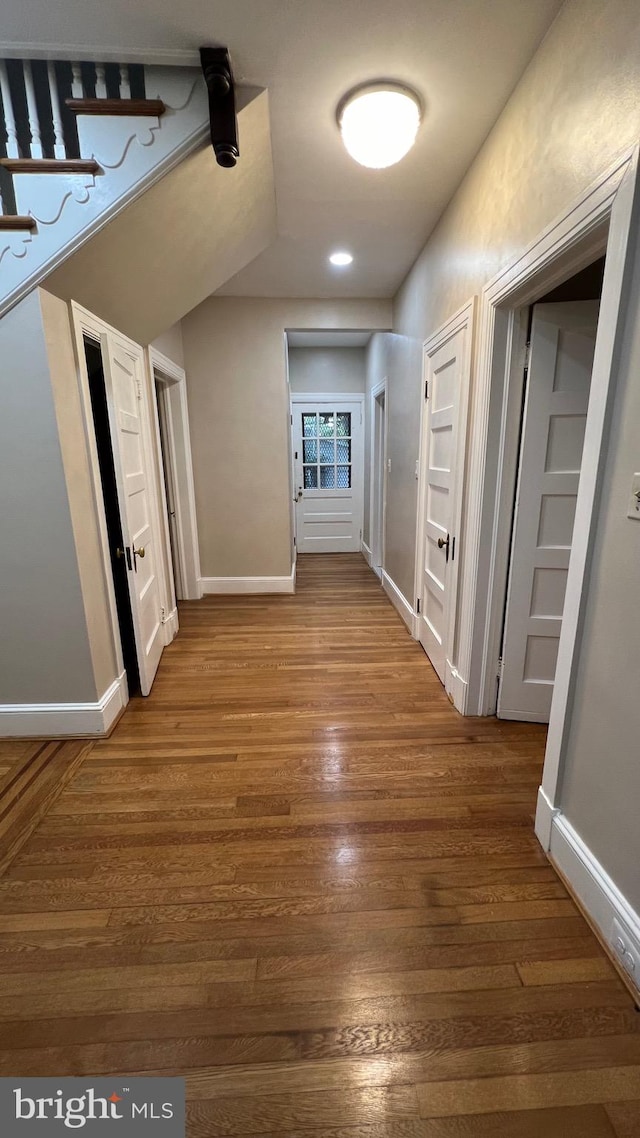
{"x": 216, "y": 68}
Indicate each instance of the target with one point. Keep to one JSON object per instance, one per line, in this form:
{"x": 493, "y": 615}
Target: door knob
{"x": 299, "y": 496}
{"x": 444, "y": 544}
{"x": 139, "y": 552}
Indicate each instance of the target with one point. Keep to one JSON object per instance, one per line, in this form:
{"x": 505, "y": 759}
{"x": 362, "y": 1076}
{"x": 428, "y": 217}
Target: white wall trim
{"x": 243, "y": 585}
{"x": 159, "y": 56}
{"x": 377, "y": 539}
{"x": 180, "y": 460}
{"x": 592, "y": 885}
{"x": 545, "y": 813}
{"x": 399, "y": 601}
{"x": 326, "y": 397}
{"x": 43, "y": 720}
{"x": 366, "y": 553}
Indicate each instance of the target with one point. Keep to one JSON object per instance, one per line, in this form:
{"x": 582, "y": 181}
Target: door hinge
{"x": 527, "y": 355}
{"x": 418, "y": 605}
{"x": 500, "y": 668}
{"x": 163, "y": 616}
{"x": 426, "y": 388}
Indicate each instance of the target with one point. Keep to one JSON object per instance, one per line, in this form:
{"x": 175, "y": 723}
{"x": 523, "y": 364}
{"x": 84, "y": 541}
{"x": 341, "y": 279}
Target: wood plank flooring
{"x": 295, "y": 875}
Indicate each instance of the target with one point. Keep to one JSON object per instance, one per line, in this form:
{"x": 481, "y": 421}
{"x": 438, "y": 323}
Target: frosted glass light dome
{"x": 379, "y": 123}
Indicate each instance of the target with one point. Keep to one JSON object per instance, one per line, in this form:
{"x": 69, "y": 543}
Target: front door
{"x": 561, "y": 360}
{"x": 329, "y": 475}
{"x": 129, "y": 422}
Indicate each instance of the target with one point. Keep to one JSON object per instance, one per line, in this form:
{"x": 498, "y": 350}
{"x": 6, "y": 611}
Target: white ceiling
{"x": 463, "y": 56}
{"x": 328, "y": 339}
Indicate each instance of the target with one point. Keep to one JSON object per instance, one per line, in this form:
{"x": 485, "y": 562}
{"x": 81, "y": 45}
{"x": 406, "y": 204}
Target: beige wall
{"x": 601, "y": 789}
{"x": 327, "y": 369}
{"x": 235, "y": 358}
{"x": 45, "y": 655}
{"x": 169, "y": 343}
{"x": 576, "y": 107}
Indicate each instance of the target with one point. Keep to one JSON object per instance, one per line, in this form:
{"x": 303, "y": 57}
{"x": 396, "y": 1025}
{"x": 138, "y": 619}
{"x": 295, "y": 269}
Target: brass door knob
{"x": 139, "y": 552}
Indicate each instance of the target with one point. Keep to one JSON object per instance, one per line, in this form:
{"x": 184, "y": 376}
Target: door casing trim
{"x": 600, "y": 220}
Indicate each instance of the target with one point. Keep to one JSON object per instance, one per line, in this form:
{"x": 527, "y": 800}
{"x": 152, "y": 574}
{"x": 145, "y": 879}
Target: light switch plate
{"x": 634, "y": 498}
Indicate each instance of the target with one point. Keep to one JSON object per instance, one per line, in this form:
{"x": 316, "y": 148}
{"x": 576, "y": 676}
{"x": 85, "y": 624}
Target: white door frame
{"x": 462, "y": 320}
{"x": 378, "y": 476}
{"x": 176, "y": 413}
{"x": 84, "y": 323}
{"x": 321, "y": 397}
{"x": 599, "y": 221}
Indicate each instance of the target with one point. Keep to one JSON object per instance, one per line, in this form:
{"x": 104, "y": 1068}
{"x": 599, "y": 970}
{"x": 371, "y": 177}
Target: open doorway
{"x": 555, "y": 398}
{"x": 116, "y": 543}
{"x": 327, "y": 373}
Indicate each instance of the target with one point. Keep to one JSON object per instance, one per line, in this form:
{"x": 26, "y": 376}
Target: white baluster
{"x": 77, "y": 90}
{"x": 32, "y": 108}
{"x": 9, "y": 117}
{"x": 125, "y": 86}
{"x": 101, "y": 82}
{"x": 58, "y": 133}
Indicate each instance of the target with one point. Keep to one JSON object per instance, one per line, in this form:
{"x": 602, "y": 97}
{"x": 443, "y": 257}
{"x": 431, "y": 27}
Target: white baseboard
{"x": 591, "y": 884}
{"x": 171, "y": 626}
{"x": 243, "y": 585}
{"x": 399, "y": 601}
{"x": 367, "y": 554}
{"x": 42, "y": 720}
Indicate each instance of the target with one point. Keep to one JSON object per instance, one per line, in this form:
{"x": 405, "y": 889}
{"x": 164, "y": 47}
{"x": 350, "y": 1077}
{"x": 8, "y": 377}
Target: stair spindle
{"x": 9, "y": 117}
{"x": 77, "y": 90}
{"x": 32, "y": 109}
{"x": 101, "y": 81}
{"x": 125, "y": 86}
{"x": 59, "y": 150}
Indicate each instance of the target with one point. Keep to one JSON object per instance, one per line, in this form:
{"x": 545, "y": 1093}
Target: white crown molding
{"x": 46, "y": 720}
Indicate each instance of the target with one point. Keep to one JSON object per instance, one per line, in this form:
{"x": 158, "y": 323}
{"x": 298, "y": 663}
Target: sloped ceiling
{"x": 181, "y": 240}
{"x": 464, "y": 57}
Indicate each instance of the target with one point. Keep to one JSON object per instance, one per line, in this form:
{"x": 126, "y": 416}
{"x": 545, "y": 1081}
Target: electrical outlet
{"x": 627, "y": 950}
{"x": 634, "y": 498}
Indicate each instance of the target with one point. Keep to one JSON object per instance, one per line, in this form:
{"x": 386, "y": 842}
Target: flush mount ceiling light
{"x": 379, "y": 123}
{"x": 341, "y": 259}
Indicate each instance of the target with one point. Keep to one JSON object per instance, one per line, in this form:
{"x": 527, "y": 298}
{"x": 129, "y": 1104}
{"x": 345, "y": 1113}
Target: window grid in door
{"x": 326, "y": 450}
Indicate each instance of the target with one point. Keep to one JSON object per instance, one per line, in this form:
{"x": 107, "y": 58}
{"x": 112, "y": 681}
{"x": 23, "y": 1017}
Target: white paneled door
{"x": 329, "y": 474}
{"x": 557, "y": 397}
{"x": 447, "y": 373}
{"x": 124, "y": 370}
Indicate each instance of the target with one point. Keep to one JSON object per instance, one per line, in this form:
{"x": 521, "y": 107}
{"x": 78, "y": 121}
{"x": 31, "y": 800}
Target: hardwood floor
{"x": 295, "y": 875}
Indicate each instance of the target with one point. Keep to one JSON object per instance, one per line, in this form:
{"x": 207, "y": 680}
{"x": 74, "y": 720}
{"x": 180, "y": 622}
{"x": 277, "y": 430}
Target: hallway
{"x": 297, "y": 876}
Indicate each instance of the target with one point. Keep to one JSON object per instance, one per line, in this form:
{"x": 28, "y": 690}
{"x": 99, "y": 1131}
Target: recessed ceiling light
{"x": 340, "y": 258}
{"x": 379, "y": 123}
